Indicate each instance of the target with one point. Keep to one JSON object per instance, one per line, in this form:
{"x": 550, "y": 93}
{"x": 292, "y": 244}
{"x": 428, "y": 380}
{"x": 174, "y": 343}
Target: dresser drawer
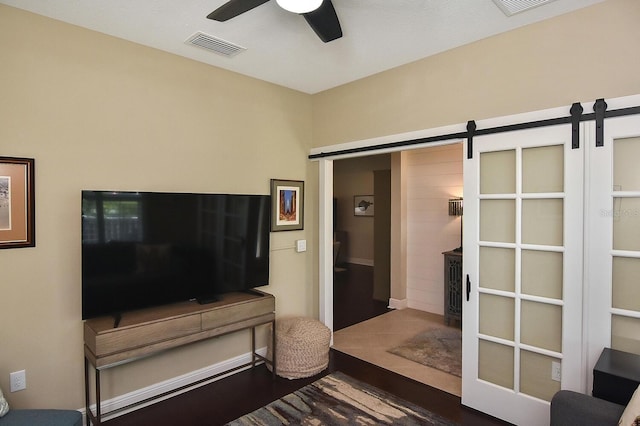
{"x": 127, "y": 338}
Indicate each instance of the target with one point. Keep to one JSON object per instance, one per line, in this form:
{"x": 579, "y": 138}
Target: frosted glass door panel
{"x": 541, "y": 325}
{"x": 542, "y": 273}
{"x": 535, "y": 379}
{"x": 626, "y": 173}
{"x": 498, "y": 268}
{"x": 495, "y": 363}
{"x": 625, "y": 293}
{"x": 543, "y": 169}
{"x": 498, "y": 220}
{"x": 625, "y": 333}
{"x": 542, "y": 221}
{"x": 626, "y": 223}
{"x": 498, "y": 172}
{"x": 497, "y": 319}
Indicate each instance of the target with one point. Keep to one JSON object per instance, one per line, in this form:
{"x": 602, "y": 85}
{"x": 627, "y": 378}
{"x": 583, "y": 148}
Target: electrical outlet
{"x": 556, "y": 371}
{"x": 18, "y": 380}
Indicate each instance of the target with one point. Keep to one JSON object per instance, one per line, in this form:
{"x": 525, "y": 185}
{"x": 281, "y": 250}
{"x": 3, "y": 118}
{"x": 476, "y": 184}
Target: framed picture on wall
{"x": 17, "y": 203}
{"x": 363, "y": 205}
{"x": 287, "y": 205}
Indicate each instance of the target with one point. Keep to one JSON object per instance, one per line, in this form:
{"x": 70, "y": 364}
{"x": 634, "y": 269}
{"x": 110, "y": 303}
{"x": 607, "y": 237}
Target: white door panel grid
{"x": 613, "y": 233}
{"x": 522, "y": 324}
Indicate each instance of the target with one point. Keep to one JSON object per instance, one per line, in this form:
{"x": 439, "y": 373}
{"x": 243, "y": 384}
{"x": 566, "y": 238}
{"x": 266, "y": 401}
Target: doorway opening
{"x": 433, "y": 176}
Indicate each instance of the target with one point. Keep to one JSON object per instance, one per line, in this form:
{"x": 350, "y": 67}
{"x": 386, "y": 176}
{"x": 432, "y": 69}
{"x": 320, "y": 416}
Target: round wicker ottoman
{"x": 302, "y": 347}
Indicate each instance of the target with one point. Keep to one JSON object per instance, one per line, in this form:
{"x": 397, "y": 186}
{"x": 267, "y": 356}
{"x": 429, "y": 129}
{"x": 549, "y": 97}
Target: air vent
{"x": 511, "y": 7}
{"x": 214, "y": 44}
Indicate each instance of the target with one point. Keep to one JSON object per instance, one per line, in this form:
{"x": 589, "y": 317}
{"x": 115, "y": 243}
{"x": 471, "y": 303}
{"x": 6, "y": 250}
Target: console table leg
{"x": 273, "y": 347}
{"x": 253, "y": 347}
{"x": 98, "y": 416}
{"x": 86, "y": 391}
{"x": 91, "y": 419}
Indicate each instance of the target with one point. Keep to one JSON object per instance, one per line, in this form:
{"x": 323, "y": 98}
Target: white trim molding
{"x": 398, "y": 303}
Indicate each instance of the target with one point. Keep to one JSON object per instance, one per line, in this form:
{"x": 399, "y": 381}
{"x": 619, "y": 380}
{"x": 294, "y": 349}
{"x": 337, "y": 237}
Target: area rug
{"x": 338, "y": 399}
{"x": 439, "y": 348}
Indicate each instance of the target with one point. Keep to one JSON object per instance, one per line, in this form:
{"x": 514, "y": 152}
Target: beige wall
{"x": 97, "y": 112}
{"x": 355, "y": 177}
{"x": 581, "y": 56}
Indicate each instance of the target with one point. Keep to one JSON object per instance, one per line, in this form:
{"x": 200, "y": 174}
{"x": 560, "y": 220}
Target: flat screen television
{"x": 143, "y": 249}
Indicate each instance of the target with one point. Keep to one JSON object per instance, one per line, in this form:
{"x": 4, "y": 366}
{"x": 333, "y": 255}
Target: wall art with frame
{"x": 363, "y": 205}
{"x": 17, "y": 202}
{"x": 287, "y": 205}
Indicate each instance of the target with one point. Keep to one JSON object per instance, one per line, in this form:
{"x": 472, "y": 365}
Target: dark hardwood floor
{"x": 353, "y": 300}
{"x": 227, "y": 399}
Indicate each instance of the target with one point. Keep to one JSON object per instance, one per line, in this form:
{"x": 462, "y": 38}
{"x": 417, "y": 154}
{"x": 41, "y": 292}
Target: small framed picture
{"x": 17, "y": 203}
{"x": 287, "y": 205}
{"x": 363, "y": 205}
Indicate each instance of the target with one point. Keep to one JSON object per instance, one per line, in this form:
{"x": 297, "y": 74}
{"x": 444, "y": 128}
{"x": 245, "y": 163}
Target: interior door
{"x": 522, "y": 318}
{"x": 613, "y": 224}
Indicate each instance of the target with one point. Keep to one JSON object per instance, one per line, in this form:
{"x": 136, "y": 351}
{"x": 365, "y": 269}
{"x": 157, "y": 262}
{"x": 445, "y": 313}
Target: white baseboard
{"x": 398, "y": 303}
{"x": 184, "y": 381}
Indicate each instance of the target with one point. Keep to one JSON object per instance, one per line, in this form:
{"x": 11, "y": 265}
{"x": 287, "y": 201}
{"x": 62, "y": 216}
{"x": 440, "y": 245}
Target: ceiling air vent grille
{"x": 214, "y": 44}
{"x": 511, "y": 7}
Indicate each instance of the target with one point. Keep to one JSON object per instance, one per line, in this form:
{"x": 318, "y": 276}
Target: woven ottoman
{"x": 302, "y": 347}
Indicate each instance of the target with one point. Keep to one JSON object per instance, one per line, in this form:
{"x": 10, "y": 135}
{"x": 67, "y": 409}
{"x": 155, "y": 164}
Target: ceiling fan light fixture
{"x": 299, "y": 6}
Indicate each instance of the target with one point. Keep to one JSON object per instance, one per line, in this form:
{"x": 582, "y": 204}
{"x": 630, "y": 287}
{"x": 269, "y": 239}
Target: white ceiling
{"x": 282, "y": 48}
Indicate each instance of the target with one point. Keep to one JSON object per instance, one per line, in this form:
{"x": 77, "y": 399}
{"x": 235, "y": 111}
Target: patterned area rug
{"x": 439, "y": 348}
{"x": 338, "y": 399}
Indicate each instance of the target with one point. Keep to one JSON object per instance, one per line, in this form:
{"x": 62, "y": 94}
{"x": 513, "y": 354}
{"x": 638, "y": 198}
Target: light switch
{"x": 301, "y": 245}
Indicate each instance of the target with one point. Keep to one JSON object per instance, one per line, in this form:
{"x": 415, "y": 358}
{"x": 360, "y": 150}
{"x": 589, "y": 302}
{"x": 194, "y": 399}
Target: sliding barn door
{"x": 522, "y": 315}
{"x": 613, "y": 219}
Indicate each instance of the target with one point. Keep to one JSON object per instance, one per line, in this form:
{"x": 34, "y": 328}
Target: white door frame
{"x": 325, "y": 242}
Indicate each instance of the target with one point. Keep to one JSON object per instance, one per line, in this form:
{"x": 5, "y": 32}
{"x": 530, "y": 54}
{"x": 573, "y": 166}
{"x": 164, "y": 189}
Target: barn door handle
{"x": 468, "y": 287}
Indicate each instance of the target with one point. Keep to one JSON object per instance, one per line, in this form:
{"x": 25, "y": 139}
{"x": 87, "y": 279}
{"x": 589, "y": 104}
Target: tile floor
{"x": 370, "y": 340}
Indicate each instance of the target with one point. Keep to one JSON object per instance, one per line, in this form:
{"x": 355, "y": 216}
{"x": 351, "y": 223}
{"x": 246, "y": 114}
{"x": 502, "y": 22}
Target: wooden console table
{"x": 149, "y": 331}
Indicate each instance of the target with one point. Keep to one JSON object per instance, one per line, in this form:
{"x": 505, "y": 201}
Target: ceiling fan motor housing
{"x": 299, "y": 6}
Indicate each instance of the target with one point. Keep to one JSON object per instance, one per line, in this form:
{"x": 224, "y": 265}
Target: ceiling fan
{"x": 320, "y": 14}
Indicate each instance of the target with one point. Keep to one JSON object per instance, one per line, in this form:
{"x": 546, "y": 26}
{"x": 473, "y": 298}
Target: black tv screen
{"x": 143, "y": 249}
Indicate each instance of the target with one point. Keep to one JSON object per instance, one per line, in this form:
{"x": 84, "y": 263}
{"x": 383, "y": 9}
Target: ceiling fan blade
{"x": 233, "y": 8}
{"x": 324, "y": 22}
